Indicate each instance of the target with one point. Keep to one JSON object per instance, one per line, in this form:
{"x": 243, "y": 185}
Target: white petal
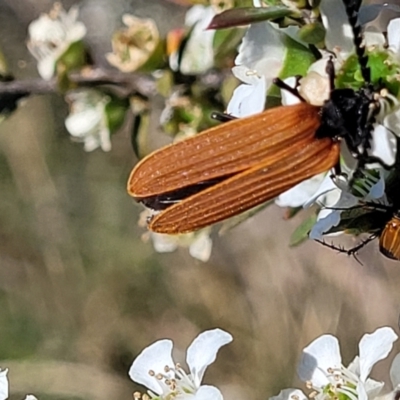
{"x": 203, "y": 351}
{"x": 198, "y": 55}
{"x": 208, "y": 393}
{"x": 164, "y": 243}
{"x": 392, "y": 122}
{"x": 262, "y": 50}
{"x": 369, "y": 389}
{"x": 327, "y": 219}
{"x": 104, "y": 138}
{"x": 287, "y": 97}
{"x": 201, "y": 247}
{"x": 374, "y": 39}
{"x": 373, "y": 348}
{"x": 338, "y": 30}
{"x": 395, "y": 371}
{"x": 373, "y": 388}
{"x": 30, "y": 397}
{"x": 248, "y": 99}
{"x": 290, "y": 394}
{"x": 91, "y": 143}
{"x": 3, "y": 384}
{"x": 383, "y": 145}
{"x": 354, "y": 366}
{"x": 153, "y": 358}
{"x": 77, "y": 32}
{"x": 46, "y": 67}
{"x": 320, "y": 355}
{"x": 327, "y": 185}
{"x": 361, "y": 391}
{"x": 301, "y": 193}
{"x": 195, "y": 14}
{"x": 346, "y": 200}
{"x": 393, "y": 33}
{"x": 377, "y": 190}
{"x": 81, "y": 123}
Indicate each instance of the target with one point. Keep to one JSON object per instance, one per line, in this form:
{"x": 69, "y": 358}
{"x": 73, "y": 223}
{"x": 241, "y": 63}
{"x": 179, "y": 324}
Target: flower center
{"x": 342, "y": 385}
{"x": 175, "y": 382}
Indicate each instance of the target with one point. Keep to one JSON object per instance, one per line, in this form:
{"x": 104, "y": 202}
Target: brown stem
{"x": 126, "y": 84}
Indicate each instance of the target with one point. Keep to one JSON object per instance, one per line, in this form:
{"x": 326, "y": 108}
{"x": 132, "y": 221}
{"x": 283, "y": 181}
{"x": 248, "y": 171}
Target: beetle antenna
{"x": 284, "y": 86}
{"x": 352, "y": 8}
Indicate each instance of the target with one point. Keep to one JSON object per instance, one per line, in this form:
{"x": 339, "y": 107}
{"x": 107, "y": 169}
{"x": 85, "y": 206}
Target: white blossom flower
{"x": 300, "y": 194}
{"x": 313, "y": 87}
{"x": 322, "y": 370}
{"x": 87, "y": 121}
{"x": 134, "y": 45}
{"x": 335, "y": 197}
{"x": 305, "y": 193}
{"x": 261, "y": 58}
{"x": 199, "y": 243}
{"x": 339, "y": 39}
{"x": 51, "y": 35}
{"x": 155, "y": 368}
{"x": 321, "y": 365}
{"x": 198, "y": 55}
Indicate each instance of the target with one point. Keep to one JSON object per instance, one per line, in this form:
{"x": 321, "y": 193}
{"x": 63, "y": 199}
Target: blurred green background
{"x": 81, "y": 294}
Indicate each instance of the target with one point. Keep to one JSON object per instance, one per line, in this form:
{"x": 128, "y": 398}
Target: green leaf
{"x": 301, "y": 232}
{"x": 385, "y": 70}
{"x": 298, "y": 59}
{"x": 165, "y": 82}
{"x": 140, "y": 133}
{"x": 225, "y": 44}
{"x": 359, "y": 220}
{"x": 115, "y": 112}
{"x": 346, "y": 77}
{"x": 312, "y": 33}
{"x": 75, "y": 57}
{"x": 248, "y": 15}
{"x": 292, "y": 212}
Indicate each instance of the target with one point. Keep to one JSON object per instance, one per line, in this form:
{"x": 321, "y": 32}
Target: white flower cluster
{"x": 87, "y": 121}
{"x": 322, "y": 370}
{"x": 51, "y": 35}
{"x": 166, "y": 380}
{"x": 262, "y": 57}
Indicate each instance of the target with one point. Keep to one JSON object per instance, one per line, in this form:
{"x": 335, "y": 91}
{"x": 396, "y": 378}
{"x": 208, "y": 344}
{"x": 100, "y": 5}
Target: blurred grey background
{"x": 81, "y": 295}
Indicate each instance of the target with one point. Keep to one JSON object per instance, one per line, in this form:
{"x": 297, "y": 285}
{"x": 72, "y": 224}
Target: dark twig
{"x": 37, "y": 86}
{"x": 123, "y": 83}
{"x": 126, "y": 83}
